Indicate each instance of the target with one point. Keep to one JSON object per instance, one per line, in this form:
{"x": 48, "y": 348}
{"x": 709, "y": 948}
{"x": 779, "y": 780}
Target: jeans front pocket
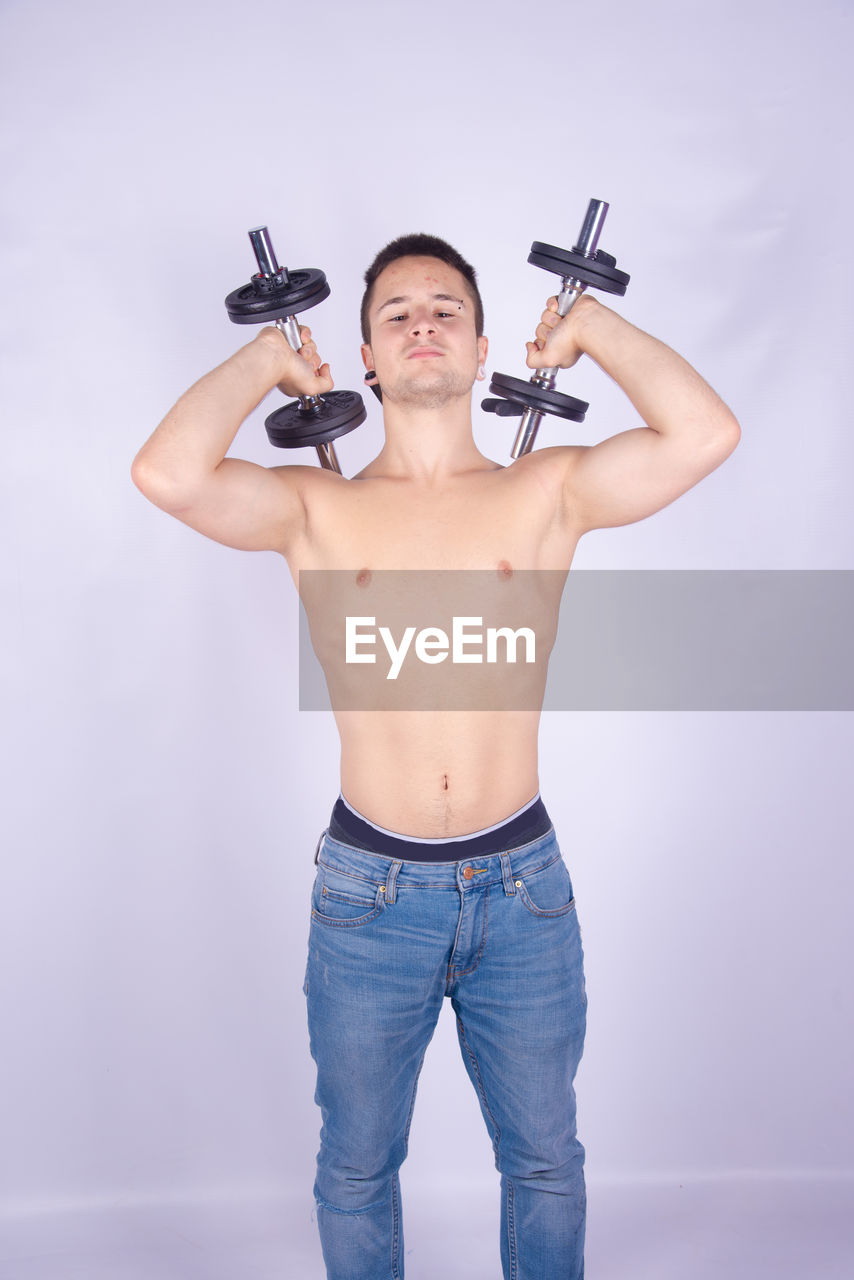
{"x": 343, "y": 900}
{"x": 548, "y": 890}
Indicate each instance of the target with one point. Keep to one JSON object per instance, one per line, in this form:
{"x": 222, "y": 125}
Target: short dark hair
{"x": 420, "y": 245}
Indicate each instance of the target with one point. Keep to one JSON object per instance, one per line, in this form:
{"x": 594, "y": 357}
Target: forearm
{"x": 196, "y": 434}
{"x": 668, "y": 393}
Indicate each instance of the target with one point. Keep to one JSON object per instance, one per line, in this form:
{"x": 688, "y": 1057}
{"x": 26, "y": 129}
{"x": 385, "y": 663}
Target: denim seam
{"x": 348, "y": 924}
{"x": 453, "y": 973}
{"x": 548, "y": 913}
{"x": 423, "y": 884}
{"x": 391, "y": 882}
{"x": 554, "y": 913}
{"x": 412, "y": 1105}
{"x": 511, "y": 1230}
{"x": 370, "y": 903}
{"x": 498, "y": 879}
{"x": 544, "y": 866}
{"x": 395, "y": 1227}
{"x": 317, "y": 846}
{"x": 350, "y": 875}
{"x": 395, "y": 1200}
{"x": 496, "y": 1128}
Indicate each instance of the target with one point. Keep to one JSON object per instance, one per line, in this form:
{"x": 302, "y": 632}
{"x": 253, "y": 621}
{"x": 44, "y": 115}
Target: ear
{"x": 482, "y": 349}
{"x": 367, "y": 356}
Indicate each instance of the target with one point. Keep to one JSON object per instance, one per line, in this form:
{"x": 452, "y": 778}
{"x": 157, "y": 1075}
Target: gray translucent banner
{"x": 628, "y": 640}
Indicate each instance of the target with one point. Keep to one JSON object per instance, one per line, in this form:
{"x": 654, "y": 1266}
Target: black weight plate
{"x": 307, "y": 287}
{"x": 541, "y": 399}
{"x": 597, "y": 272}
{"x": 293, "y": 427}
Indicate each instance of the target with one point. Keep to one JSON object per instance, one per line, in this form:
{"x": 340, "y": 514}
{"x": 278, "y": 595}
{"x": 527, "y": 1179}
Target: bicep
{"x": 246, "y": 506}
{"x": 634, "y": 474}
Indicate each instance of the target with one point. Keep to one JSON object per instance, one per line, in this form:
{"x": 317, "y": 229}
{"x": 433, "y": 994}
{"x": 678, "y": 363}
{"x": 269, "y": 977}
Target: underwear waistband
{"x": 350, "y": 827}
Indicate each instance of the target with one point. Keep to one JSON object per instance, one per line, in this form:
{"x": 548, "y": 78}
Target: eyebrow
{"x": 437, "y": 297}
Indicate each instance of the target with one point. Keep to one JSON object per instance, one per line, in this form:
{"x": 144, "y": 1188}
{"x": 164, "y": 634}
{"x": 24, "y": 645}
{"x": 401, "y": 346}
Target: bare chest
{"x": 494, "y": 521}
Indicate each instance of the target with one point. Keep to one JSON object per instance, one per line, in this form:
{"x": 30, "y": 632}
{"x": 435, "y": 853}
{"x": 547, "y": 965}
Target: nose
{"x": 422, "y": 323}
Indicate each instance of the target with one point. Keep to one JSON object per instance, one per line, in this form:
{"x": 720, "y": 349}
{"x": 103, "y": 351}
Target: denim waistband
{"x": 495, "y": 868}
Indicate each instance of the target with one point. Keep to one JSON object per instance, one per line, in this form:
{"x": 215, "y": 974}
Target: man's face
{"x": 423, "y": 344}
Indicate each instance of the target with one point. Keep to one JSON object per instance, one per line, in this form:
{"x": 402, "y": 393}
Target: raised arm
{"x": 689, "y": 430}
{"x": 182, "y": 467}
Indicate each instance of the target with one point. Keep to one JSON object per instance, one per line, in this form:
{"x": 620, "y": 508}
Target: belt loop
{"x": 319, "y": 843}
{"x": 507, "y": 875}
{"x": 391, "y": 881}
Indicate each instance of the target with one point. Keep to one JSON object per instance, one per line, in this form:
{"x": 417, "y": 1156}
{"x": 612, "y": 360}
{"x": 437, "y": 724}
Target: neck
{"x": 429, "y": 444}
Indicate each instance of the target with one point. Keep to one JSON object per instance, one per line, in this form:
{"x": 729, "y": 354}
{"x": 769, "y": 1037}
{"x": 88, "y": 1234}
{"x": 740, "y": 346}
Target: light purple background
{"x": 164, "y": 796}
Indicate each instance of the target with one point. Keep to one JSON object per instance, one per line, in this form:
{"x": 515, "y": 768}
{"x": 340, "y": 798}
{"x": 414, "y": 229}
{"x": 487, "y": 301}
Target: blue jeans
{"x": 389, "y": 940}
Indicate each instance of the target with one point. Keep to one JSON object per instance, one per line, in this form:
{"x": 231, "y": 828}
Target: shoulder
{"x": 550, "y": 472}
{"x": 323, "y": 492}
{"x": 550, "y": 467}
{"x": 306, "y": 480}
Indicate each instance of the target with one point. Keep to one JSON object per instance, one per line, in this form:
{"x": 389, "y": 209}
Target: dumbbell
{"x": 278, "y": 295}
{"x": 581, "y": 268}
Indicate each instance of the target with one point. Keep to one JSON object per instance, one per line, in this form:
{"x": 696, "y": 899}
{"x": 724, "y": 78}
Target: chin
{"x": 433, "y": 391}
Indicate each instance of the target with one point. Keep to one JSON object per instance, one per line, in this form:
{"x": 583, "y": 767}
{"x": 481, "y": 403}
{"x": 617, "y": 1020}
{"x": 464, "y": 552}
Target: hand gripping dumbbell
{"x": 583, "y": 267}
{"x": 278, "y": 295}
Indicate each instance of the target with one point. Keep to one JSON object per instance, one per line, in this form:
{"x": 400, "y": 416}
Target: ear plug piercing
{"x": 371, "y": 381}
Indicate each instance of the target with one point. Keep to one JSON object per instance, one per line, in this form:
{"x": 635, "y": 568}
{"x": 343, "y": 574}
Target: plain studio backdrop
{"x": 163, "y": 792}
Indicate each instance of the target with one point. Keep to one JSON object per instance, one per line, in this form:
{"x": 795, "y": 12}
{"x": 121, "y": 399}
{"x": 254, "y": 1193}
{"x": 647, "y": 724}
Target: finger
{"x": 552, "y": 304}
{"x": 305, "y": 334}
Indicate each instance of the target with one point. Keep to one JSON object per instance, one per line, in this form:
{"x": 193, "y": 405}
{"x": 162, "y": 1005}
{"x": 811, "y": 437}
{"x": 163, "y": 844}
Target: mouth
{"x": 423, "y": 353}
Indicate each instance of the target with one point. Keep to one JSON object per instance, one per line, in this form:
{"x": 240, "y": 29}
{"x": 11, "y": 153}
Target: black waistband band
{"x": 349, "y": 827}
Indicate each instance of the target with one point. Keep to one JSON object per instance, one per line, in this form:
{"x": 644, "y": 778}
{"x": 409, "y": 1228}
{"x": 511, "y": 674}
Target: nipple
{"x": 505, "y": 569}
{"x": 363, "y": 578}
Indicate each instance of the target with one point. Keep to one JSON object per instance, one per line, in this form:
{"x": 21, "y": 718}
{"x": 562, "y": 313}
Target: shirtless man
{"x": 439, "y": 829}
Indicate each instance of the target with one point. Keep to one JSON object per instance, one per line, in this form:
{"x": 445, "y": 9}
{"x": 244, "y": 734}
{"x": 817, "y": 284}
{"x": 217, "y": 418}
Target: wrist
{"x": 272, "y": 349}
{"x": 586, "y": 315}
